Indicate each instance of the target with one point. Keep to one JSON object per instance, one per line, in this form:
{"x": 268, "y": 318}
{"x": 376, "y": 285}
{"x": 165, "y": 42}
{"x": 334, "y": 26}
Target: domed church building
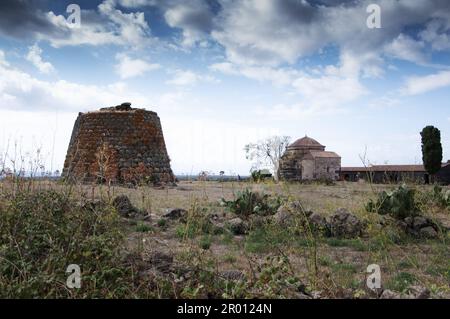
{"x": 306, "y": 159}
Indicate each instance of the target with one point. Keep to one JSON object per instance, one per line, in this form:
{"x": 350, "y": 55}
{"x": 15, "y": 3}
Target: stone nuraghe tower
{"x": 118, "y": 144}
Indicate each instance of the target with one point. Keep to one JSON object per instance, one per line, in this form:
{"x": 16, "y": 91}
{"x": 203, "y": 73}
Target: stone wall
{"x": 327, "y": 168}
{"x": 290, "y": 166}
{"x": 118, "y": 144}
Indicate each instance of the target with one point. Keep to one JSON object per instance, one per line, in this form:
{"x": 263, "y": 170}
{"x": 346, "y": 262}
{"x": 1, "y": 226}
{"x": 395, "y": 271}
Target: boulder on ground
{"x": 419, "y": 226}
{"x": 389, "y": 294}
{"x": 175, "y": 213}
{"x": 418, "y": 292}
{"x": 319, "y": 222}
{"x": 124, "y": 207}
{"x": 289, "y": 212}
{"x": 237, "y": 226}
{"x": 413, "y": 292}
{"x": 344, "y": 224}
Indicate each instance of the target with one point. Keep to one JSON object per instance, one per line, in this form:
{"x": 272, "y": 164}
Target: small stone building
{"x": 396, "y": 173}
{"x": 306, "y": 159}
{"x": 120, "y": 144}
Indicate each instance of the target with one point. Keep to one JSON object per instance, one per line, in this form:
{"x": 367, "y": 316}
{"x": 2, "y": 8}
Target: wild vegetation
{"x": 220, "y": 240}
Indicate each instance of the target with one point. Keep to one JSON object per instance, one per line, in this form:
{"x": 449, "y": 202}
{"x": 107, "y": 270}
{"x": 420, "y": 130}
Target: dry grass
{"x": 340, "y": 264}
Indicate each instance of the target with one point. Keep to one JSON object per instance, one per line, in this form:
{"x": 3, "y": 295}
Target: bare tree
{"x": 267, "y": 152}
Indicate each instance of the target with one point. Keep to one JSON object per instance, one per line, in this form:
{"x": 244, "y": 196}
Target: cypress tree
{"x": 431, "y": 149}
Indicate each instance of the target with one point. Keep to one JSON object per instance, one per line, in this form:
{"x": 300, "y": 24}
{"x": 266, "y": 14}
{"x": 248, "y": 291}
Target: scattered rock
{"x": 316, "y": 294}
{"x": 385, "y": 220}
{"x": 283, "y": 216}
{"x": 234, "y": 275}
{"x": 445, "y": 225}
{"x": 389, "y": 294}
{"x": 175, "y": 213}
{"x": 288, "y": 212}
{"x": 124, "y": 106}
{"x": 345, "y": 225}
{"x": 237, "y": 226}
{"x": 419, "y": 222}
{"x": 161, "y": 261}
{"x": 428, "y": 232}
{"x": 413, "y": 292}
{"x": 125, "y": 208}
{"x": 319, "y": 222}
{"x": 294, "y": 206}
{"x": 418, "y": 292}
{"x": 300, "y": 295}
{"x": 419, "y": 226}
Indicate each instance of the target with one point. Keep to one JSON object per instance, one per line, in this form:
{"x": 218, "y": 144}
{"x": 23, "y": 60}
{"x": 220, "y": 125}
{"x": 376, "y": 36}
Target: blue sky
{"x": 223, "y": 73}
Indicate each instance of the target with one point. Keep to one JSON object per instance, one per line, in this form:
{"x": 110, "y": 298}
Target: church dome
{"x": 306, "y": 143}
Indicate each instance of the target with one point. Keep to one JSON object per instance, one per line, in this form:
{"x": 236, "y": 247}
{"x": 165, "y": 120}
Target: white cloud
{"x": 131, "y": 27}
{"x": 326, "y": 87}
{"x": 423, "y": 84}
{"x": 128, "y": 67}
{"x": 437, "y": 34}
{"x": 108, "y": 25}
{"x": 189, "y": 78}
{"x": 275, "y": 32}
{"x": 34, "y": 56}
{"x": 3, "y": 61}
{"x": 277, "y": 76}
{"x": 193, "y": 17}
{"x": 28, "y": 93}
{"x": 406, "y": 48}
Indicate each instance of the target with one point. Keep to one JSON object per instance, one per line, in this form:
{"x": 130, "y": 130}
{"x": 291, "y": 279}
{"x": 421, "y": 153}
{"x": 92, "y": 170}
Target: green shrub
{"x": 256, "y": 176}
{"x": 197, "y": 223}
{"x": 399, "y": 203}
{"x": 441, "y": 197}
{"x": 143, "y": 228}
{"x": 42, "y": 233}
{"x": 162, "y": 223}
{"x": 205, "y": 242}
{"x": 248, "y": 202}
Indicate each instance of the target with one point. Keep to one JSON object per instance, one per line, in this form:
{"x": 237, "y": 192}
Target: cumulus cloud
{"x": 405, "y": 48}
{"x": 275, "y": 32}
{"x": 189, "y": 78}
{"x": 323, "y": 87}
{"x": 194, "y": 18}
{"x": 26, "y": 92}
{"x": 423, "y": 84}
{"x": 101, "y": 26}
{"x": 23, "y": 19}
{"x": 277, "y": 76}
{"x": 131, "y": 27}
{"x": 252, "y": 32}
{"x": 128, "y": 67}
{"x": 34, "y": 56}
{"x": 437, "y": 33}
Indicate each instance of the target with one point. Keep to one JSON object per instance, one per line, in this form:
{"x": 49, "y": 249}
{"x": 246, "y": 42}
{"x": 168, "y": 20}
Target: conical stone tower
{"x": 120, "y": 144}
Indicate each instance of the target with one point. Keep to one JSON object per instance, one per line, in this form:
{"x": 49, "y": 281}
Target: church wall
{"x": 327, "y": 168}
{"x": 307, "y": 169}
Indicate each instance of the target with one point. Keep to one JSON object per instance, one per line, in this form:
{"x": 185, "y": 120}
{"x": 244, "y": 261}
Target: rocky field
{"x": 224, "y": 240}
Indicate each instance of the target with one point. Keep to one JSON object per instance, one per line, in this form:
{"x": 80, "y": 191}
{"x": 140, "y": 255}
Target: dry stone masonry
{"x": 119, "y": 144}
{"x": 306, "y": 159}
